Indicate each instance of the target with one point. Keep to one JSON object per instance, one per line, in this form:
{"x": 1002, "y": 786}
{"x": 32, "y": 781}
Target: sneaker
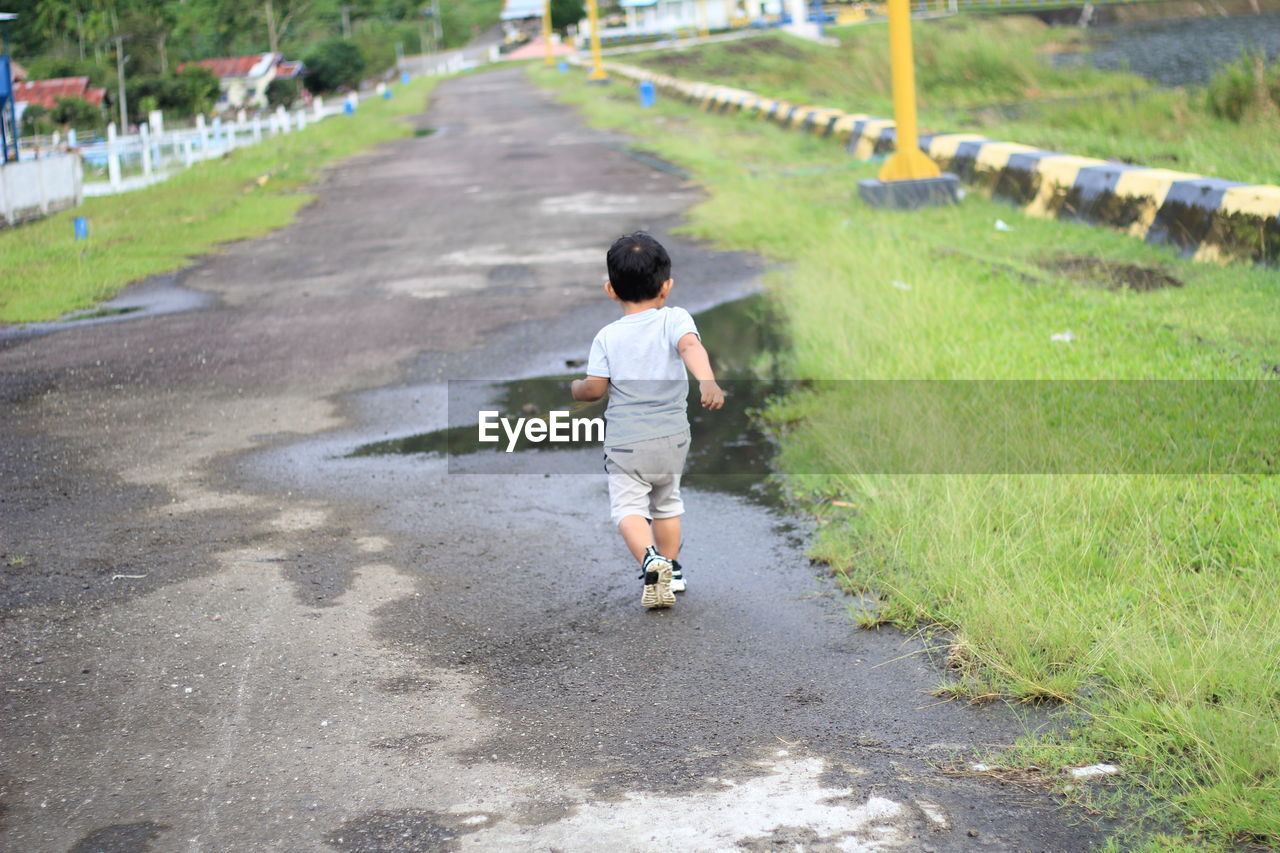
{"x": 677, "y": 577}
{"x": 656, "y": 575}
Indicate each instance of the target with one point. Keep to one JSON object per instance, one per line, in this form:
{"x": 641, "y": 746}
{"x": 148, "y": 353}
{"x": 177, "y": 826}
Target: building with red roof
{"x": 45, "y": 93}
{"x": 244, "y": 79}
{"x": 288, "y": 69}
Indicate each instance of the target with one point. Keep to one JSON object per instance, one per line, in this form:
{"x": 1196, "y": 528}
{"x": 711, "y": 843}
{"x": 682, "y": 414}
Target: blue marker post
{"x": 82, "y": 228}
{"x": 404, "y": 77}
{"x": 648, "y": 94}
{"x": 386, "y": 94}
{"x": 562, "y": 66}
{"x": 348, "y": 108}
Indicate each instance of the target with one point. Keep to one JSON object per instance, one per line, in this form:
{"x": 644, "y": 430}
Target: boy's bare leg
{"x": 666, "y": 532}
{"x": 636, "y": 533}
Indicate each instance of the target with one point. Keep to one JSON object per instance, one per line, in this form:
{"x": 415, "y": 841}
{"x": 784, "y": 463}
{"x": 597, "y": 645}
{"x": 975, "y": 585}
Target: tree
{"x": 46, "y": 68}
{"x": 280, "y": 15}
{"x": 334, "y": 64}
{"x": 75, "y": 112}
{"x": 35, "y": 121}
{"x": 282, "y": 93}
{"x": 195, "y": 90}
{"x": 566, "y": 12}
{"x": 54, "y": 19}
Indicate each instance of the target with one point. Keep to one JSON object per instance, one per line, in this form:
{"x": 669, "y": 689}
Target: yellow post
{"x": 703, "y": 30}
{"x": 907, "y": 162}
{"x": 546, "y": 31}
{"x": 597, "y": 74}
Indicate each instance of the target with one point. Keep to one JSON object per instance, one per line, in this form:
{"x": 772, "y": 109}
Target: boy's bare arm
{"x": 590, "y": 388}
{"x": 695, "y": 357}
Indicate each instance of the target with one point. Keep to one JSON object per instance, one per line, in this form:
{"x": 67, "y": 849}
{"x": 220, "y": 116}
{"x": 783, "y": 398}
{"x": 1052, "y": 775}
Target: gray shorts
{"x": 644, "y": 478}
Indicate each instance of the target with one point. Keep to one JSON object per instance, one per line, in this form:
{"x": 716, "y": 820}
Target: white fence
{"x": 121, "y": 163}
{"x": 30, "y": 189}
{"x": 128, "y": 162}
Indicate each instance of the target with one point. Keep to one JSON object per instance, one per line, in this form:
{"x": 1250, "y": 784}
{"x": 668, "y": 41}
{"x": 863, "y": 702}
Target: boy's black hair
{"x": 638, "y": 265}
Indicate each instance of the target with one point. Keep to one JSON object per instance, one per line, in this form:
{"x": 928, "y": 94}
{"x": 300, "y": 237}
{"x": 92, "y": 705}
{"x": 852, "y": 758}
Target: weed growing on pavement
{"x": 248, "y": 193}
{"x": 1142, "y": 602}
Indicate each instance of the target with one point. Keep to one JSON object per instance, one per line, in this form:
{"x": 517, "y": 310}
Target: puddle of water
{"x": 729, "y": 452}
{"x": 94, "y": 314}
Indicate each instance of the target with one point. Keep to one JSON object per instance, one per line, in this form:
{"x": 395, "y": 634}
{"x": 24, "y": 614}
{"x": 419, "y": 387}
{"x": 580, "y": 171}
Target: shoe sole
{"x": 659, "y": 594}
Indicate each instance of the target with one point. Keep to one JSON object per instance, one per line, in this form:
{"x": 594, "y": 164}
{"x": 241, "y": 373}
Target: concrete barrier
{"x": 30, "y": 189}
{"x": 1205, "y": 218}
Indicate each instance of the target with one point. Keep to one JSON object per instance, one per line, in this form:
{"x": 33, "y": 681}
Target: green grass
{"x": 990, "y": 75}
{"x": 249, "y": 193}
{"x": 1143, "y": 606}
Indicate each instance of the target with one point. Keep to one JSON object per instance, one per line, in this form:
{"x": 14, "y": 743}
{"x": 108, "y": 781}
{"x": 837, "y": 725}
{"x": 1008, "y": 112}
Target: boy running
{"x": 640, "y": 362}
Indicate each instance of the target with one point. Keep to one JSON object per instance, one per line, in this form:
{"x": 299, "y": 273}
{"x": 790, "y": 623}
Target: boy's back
{"x": 648, "y": 381}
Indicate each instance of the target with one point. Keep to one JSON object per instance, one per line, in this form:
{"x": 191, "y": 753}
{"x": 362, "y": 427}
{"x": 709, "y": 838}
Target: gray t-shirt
{"x": 648, "y": 383}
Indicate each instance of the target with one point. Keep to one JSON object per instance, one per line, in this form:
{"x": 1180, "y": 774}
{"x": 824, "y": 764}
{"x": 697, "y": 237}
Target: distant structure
{"x": 521, "y": 20}
{"x": 8, "y": 105}
{"x": 519, "y": 10}
{"x": 243, "y": 80}
{"x": 661, "y": 17}
{"x": 45, "y": 93}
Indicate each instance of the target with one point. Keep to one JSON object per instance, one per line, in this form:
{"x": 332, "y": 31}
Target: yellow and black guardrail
{"x": 1207, "y": 219}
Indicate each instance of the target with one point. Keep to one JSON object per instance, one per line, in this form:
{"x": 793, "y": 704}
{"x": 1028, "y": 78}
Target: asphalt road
{"x": 222, "y": 634}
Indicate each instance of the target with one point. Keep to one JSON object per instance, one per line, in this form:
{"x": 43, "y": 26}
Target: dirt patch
{"x": 767, "y": 46}
{"x": 407, "y": 684}
{"x": 410, "y": 743}
{"x": 120, "y": 838}
{"x": 406, "y": 831}
{"x": 1113, "y": 275}
{"x": 723, "y": 58}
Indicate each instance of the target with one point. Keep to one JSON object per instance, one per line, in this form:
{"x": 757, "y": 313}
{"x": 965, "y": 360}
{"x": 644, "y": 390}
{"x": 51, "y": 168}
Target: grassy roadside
{"x": 1131, "y": 601}
{"x": 988, "y": 75}
{"x": 249, "y": 193}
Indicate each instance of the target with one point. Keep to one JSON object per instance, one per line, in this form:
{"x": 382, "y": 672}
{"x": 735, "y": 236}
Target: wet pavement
{"x": 222, "y": 631}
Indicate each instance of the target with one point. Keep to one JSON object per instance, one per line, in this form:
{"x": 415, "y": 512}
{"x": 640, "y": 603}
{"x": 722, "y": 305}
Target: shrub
{"x": 282, "y": 93}
{"x": 35, "y": 121}
{"x": 195, "y": 90}
{"x": 75, "y": 112}
{"x": 1239, "y": 88}
{"x": 144, "y": 92}
{"x": 332, "y": 65}
{"x": 190, "y": 91}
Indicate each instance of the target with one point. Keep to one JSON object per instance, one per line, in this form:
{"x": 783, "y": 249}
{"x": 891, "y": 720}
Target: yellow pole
{"x": 703, "y": 32}
{"x": 907, "y": 162}
{"x": 546, "y": 31}
{"x": 597, "y": 64}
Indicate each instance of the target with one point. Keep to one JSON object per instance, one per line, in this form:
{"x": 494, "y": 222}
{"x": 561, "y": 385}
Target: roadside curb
{"x": 1206, "y": 218}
